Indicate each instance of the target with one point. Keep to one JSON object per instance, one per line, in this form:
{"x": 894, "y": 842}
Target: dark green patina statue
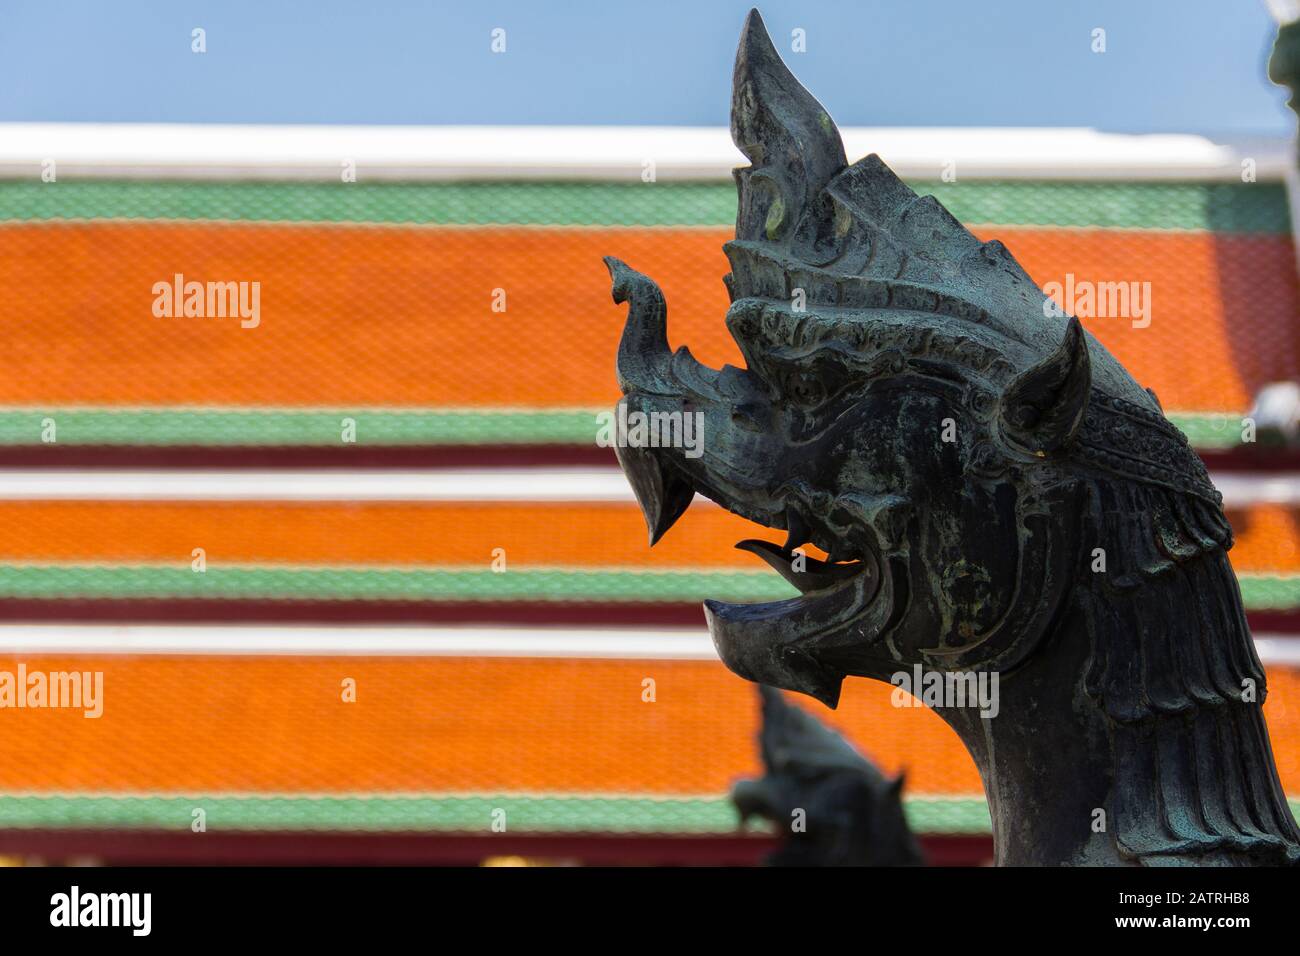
{"x": 999, "y": 500}
{"x": 830, "y": 805}
{"x": 1284, "y": 62}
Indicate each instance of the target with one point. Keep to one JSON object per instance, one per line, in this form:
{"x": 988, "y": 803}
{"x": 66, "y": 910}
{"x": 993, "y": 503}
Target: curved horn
{"x": 643, "y": 355}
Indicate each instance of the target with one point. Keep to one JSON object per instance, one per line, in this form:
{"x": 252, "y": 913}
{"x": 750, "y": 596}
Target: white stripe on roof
{"x": 503, "y": 484}
{"x": 153, "y": 151}
{"x": 555, "y": 484}
{"x": 408, "y": 641}
{"x": 664, "y": 644}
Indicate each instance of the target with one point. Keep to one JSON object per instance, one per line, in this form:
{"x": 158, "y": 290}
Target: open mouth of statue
{"x": 806, "y": 573}
{"x": 797, "y": 643}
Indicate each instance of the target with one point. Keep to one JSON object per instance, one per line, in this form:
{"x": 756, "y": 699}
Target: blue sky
{"x": 1170, "y": 65}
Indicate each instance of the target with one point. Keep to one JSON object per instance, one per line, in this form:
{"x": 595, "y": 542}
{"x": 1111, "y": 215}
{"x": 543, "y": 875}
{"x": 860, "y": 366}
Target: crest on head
{"x": 899, "y": 276}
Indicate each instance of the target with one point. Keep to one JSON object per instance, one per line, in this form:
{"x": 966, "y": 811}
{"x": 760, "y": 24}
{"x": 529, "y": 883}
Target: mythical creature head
{"x": 850, "y": 813}
{"x": 963, "y": 453}
{"x": 908, "y": 405}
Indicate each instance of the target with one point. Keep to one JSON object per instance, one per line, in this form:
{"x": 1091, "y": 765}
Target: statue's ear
{"x": 1042, "y": 409}
{"x": 896, "y": 785}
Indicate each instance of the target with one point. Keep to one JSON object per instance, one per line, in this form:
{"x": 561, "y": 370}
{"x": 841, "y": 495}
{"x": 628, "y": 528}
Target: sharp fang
{"x": 816, "y": 575}
{"x": 797, "y": 529}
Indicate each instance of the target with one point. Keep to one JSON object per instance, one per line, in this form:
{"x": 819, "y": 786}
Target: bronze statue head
{"x": 995, "y": 493}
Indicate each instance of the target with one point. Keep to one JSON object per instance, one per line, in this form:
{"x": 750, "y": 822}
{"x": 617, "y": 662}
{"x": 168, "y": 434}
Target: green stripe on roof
{"x": 1270, "y": 592}
{"x": 148, "y": 427}
{"x": 963, "y": 815}
{"x": 268, "y": 582}
{"x": 326, "y": 583}
{"x": 1212, "y": 431}
{"x": 313, "y": 427}
{"x": 453, "y": 814}
{"x": 1216, "y": 207}
{"x": 1211, "y": 207}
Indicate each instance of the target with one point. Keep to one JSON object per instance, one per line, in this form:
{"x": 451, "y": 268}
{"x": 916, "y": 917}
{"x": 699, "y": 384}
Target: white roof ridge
{"x": 620, "y": 153}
